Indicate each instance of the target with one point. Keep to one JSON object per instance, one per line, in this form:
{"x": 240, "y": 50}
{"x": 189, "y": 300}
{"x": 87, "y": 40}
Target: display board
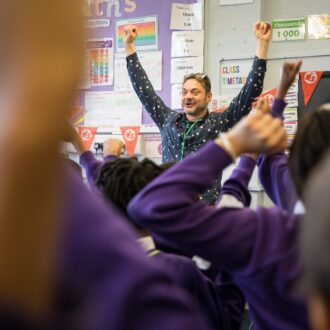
{"x": 105, "y": 53}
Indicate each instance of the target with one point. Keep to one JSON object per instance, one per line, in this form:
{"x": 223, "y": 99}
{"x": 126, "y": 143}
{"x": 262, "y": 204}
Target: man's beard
{"x": 195, "y": 112}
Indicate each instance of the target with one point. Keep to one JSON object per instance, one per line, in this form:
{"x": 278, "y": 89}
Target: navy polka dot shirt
{"x": 172, "y": 124}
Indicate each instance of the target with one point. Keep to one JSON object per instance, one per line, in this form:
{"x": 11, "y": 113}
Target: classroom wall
{"x": 229, "y": 35}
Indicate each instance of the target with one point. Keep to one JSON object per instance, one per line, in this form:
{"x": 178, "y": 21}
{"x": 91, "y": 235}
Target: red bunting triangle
{"x": 309, "y": 81}
{"x": 131, "y": 135}
{"x": 87, "y": 134}
{"x": 269, "y": 95}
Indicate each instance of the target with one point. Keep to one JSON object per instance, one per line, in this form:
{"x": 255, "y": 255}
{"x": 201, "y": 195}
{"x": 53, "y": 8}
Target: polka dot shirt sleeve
{"x": 154, "y": 105}
{"x": 241, "y": 105}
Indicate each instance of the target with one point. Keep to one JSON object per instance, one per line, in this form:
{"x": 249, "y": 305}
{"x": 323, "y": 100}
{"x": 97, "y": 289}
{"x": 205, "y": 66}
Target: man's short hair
{"x": 202, "y": 78}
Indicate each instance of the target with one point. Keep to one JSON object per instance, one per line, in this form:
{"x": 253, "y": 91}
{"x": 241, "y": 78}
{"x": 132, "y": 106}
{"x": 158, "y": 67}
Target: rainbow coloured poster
{"x": 147, "y": 33}
{"x": 100, "y": 52}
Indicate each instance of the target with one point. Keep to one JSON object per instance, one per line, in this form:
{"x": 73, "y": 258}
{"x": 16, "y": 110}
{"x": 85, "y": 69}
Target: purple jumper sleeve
{"x": 274, "y": 172}
{"x": 168, "y": 207}
{"x": 107, "y": 280}
{"x": 92, "y": 165}
{"x": 237, "y": 184}
{"x": 258, "y": 247}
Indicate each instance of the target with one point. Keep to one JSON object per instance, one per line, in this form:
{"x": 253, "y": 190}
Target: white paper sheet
{"x": 290, "y": 115}
{"x": 221, "y": 102}
{"x": 319, "y": 26}
{"x": 291, "y": 99}
{"x": 153, "y": 146}
{"x": 182, "y": 66}
{"x": 86, "y": 81}
{"x": 101, "y": 58}
{"x": 291, "y": 127}
{"x": 108, "y": 109}
{"x": 187, "y": 16}
{"x": 234, "y": 2}
{"x": 176, "y": 96}
{"x": 187, "y": 43}
{"x": 151, "y": 63}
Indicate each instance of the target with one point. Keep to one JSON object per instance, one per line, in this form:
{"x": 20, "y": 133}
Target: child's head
{"x": 120, "y": 180}
{"x": 310, "y": 144}
{"x": 315, "y": 240}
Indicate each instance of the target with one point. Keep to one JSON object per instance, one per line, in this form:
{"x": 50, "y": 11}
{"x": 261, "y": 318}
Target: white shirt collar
{"x": 147, "y": 243}
{"x": 299, "y": 208}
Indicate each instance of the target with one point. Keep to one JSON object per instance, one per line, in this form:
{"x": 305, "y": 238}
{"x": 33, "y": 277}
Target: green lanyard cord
{"x": 185, "y": 135}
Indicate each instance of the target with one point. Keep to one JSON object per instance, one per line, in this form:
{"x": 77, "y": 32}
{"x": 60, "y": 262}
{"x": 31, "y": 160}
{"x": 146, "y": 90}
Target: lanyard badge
{"x": 188, "y": 129}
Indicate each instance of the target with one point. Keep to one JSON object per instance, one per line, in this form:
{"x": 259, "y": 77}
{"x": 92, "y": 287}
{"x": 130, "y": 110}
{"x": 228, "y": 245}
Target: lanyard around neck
{"x": 185, "y": 135}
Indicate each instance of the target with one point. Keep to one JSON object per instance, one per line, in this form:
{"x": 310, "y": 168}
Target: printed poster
{"x": 182, "y": 66}
{"x": 187, "y": 16}
{"x": 100, "y": 52}
{"x": 147, "y": 38}
{"x": 234, "y": 75}
{"x": 86, "y": 80}
{"x": 97, "y": 23}
{"x": 176, "y": 96}
{"x": 151, "y": 63}
{"x": 319, "y": 26}
{"x": 290, "y": 114}
{"x": 220, "y": 103}
{"x": 187, "y": 43}
{"x": 234, "y": 2}
{"x": 290, "y": 127}
{"x": 289, "y": 29}
{"x": 112, "y": 109}
{"x": 153, "y": 145}
{"x": 291, "y": 99}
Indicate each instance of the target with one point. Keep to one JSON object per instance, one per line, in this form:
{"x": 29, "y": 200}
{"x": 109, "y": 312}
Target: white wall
{"x": 229, "y": 36}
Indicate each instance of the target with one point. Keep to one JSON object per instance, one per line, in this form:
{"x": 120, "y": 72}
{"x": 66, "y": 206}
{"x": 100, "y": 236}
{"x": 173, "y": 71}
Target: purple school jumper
{"x": 259, "y": 248}
{"x": 223, "y": 303}
{"x": 274, "y": 172}
{"x": 106, "y": 280}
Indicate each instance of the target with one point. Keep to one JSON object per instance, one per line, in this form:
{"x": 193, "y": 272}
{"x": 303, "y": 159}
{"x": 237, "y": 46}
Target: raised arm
{"x": 242, "y": 103}
{"x": 273, "y": 169}
{"x": 112, "y": 149}
{"x": 235, "y": 192}
{"x": 154, "y": 105}
{"x": 169, "y": 208}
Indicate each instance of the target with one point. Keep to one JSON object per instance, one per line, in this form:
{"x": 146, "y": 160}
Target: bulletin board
{"x": 103, "y": 24}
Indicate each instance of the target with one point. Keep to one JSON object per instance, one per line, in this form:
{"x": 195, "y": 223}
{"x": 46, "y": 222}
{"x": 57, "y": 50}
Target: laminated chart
{"x": 100, "y": 52}
{"x": 147, "y": 38}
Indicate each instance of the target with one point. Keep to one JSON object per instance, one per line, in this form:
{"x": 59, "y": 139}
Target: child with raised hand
{"x": 118, "y": 180}
{"x": 258, "y": 247}
{"x": 273, "y": 169}
{"x": 67, "y": 260}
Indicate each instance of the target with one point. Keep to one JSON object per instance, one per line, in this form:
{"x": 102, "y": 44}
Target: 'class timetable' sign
{"x": 289, "y": 29}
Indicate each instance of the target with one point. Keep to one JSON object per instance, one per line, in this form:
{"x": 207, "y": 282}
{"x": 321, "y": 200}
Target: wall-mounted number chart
{"x": 289, "y": 29}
